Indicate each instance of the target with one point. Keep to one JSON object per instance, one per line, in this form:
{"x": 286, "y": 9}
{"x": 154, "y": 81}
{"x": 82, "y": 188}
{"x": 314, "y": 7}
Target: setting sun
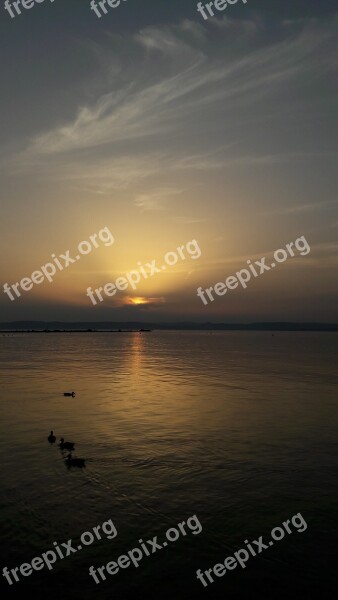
{"x": 138, "y": 300}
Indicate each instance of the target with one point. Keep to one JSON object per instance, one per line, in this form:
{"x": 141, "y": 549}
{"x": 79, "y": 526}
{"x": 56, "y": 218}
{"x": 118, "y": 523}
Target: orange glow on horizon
{"x": 138, "y": 300}
{"x": 142, "y": 300}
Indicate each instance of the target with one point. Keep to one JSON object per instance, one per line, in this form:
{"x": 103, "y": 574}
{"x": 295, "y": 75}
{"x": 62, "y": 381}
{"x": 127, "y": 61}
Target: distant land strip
{"x": 137, "y": 326}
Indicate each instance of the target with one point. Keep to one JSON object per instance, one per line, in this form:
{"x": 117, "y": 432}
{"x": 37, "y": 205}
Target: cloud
{"x": 172, "y": 107}
{"x": 301, "y": 208}
{"x": 155, "y": 200}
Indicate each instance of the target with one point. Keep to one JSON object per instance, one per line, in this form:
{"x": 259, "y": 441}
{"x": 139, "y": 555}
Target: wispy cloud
{"x": 300, "y": 208}
{"x": 155, "y": 200}
{"x": 187, "y": 94}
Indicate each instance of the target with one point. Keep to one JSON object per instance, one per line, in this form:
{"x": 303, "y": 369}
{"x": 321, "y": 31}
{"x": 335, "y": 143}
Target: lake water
{"x": 237, "y": 428}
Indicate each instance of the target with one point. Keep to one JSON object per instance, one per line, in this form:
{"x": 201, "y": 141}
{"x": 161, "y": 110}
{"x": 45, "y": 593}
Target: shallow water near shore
{"x": 238, "y": 428}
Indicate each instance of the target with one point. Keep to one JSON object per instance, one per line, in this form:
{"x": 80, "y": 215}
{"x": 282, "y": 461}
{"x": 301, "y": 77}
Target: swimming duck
{"x": 66, "y": 445}
{"x": 51, "y": 438}
{"x": 69, "y": 394}
{"x": 74, "y": 462}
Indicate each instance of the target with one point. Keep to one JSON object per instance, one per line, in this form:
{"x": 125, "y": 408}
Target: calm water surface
{"x": 238, "y": 428}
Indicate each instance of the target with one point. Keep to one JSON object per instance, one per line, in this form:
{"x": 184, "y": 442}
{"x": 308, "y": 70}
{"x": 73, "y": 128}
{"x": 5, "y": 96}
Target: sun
{"x": 139, "y": 300}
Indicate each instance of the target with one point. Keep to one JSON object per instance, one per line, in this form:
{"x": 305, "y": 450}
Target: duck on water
{"x": 66, "y": 445}
{"x": 51, "y": 438}
{"x": 75, "y": 462}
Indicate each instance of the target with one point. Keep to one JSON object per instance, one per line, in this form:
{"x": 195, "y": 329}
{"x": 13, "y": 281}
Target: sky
{"x": 165, "y": 128}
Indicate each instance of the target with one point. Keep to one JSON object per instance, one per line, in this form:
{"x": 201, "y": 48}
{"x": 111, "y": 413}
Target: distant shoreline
{"x": 75, "y": 330}
{"x": 137, "y": 327}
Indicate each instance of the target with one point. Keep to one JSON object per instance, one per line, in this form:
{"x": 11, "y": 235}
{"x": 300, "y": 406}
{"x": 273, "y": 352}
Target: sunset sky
{"x": 166, "y": 128}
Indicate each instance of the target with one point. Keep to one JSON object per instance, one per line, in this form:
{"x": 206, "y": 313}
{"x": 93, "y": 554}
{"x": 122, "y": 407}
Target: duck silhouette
{"x": 66, "y": 445}
{"x": 74, "y": 462}
{"x": 51, "y": 438}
